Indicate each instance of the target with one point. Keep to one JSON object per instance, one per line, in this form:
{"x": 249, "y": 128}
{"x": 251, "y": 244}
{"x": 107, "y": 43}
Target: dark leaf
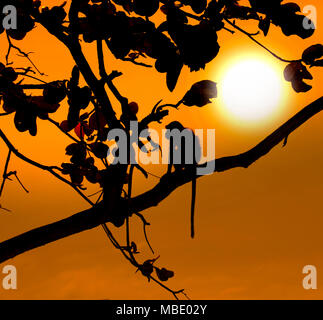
{"x": 264, "y": 25}
{"x": 198, "y": 6}
{"x": 312, "y": 53}
{"x": 54, "y": 92}
{"x": 318, "y": 63}
{"x": 99, "y": 149}
{"x": 200, "y": 93}
{"x": 164, "y": 274}
{"x": 300, "y": 86}
{"x": 75, "y": 77}
{"x": 173, "y": 74}
{"x": 145, "y": 8}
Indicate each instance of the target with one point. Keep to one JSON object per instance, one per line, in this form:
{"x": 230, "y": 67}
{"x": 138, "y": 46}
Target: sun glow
{"x": 251, "y": 90}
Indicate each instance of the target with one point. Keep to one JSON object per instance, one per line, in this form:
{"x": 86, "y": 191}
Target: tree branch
{"x": 49, "y": 169}
{"x": 172, "y": 181}
{"x": 49, "y": 233}
{"x": 95, "y": 216}
{"x": 5, "y": 172}
{"x": 250, "y": 36}
{"x": 75, "y": 49}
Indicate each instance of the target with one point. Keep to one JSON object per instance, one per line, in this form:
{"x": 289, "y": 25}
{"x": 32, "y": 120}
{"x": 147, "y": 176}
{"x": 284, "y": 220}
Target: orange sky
{"x": 256, "y": 228}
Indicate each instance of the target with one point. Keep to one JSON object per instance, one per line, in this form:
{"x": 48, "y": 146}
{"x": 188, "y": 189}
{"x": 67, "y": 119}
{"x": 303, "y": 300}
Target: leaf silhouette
{"x": 200, "y": 93}
{"x": 312, "y": 54}
{"x": 164, "y": 274}
{"x": 296, "y": 72}
{"x": 145, "y": 8}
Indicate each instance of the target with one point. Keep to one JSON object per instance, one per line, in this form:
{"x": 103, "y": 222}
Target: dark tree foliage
{"x": 186, "y": 36}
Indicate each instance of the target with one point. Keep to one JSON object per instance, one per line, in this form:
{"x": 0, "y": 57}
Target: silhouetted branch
{"x": 96, "y": 86}
{"x": 24, "y": 54}
{"x": 95, "y": 216}
{"x": 142, "y": 64}
{"x": 33, "y": 86}
{"x": 14, "y": 173}
{"x": 31, "y": 77}
{"x": 170, "y": 182}
{"x": 109, "y": 80}
{"x": 145, "y": 224}
{"x": 56, "y": 124}
{"x": 250, "y": 35}
{"x": 102, "y": 70}
{"x": 52, "y": 232}
{"x": 49, "y": 169}
{"x": 5, "y": 175}
{"x": 5, "y": 209}
{"x": 174, "y": 293}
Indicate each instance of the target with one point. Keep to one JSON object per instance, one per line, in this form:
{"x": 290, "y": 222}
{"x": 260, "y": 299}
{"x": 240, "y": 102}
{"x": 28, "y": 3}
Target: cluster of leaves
{"x": 28, "y": 108}
{"x": 81, "y": 166}
{"x": 147, "y": 268}
{"x": 296, "y": 72}
{"x": 78, "y": 99}
{"x": 177, "y": 41}
{"x": 286, "y": 16}
{"x": 125, "y": 26}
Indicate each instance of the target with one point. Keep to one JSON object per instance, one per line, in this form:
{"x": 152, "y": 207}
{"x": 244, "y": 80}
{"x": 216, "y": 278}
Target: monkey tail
{"x": 193, "y": 206}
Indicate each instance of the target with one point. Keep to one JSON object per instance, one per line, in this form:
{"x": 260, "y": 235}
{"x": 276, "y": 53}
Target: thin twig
{"x": 41, "y": 166}
{"x": 142, "y": 64}
{"x": 19, "y": 181}
{"x": 25, "y": 55}
{"x": 32, "y": 86}
{"x": 57, "y": 125}
{"x": 5, "y": 209}
{"x": 4, "y": 175}
{"x": 94, "y": 194}
{"x": 145, "y": 223}
{"x": 174, "y": 293}
{"x": 31, "y": 77}
{"x": 102, "y": 70}
{"x": 249, "y": 35}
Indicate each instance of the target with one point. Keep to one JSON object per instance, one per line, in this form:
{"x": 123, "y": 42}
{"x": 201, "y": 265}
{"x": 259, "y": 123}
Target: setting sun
{"x": 251, "y": 90}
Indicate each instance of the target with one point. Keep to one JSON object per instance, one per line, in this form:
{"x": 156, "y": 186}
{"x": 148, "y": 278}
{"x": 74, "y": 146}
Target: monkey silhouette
{"x": 194, "y": 153}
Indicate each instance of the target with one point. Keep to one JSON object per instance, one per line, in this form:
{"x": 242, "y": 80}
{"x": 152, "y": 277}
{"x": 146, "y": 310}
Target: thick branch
{"x": 171, "y": 182}
{"x": 95, "y": 216}
{"x": 94, "y": 84}
{"x": 35, "y": 238}
{"x": 75, "y": 49}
